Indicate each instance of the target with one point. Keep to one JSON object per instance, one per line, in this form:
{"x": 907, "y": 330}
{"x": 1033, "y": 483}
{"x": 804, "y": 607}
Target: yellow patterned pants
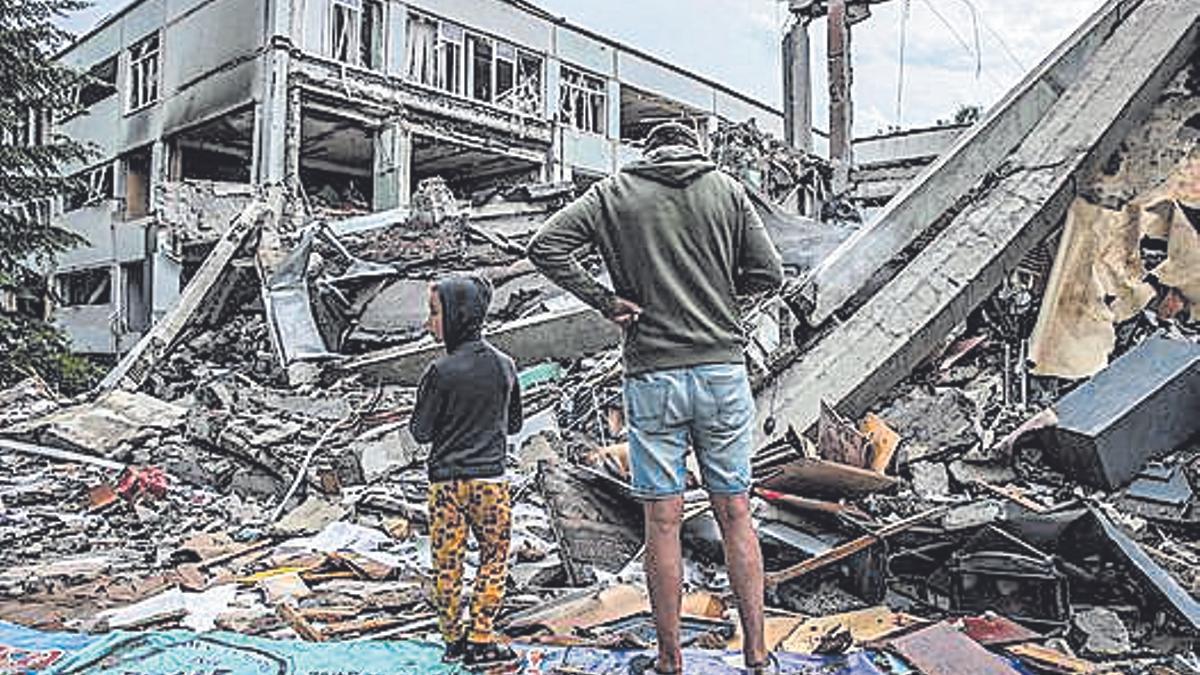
{"x": 485, "y": 508}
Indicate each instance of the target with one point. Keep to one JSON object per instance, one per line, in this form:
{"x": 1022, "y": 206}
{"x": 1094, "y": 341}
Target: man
{"x": 680, "y": 239}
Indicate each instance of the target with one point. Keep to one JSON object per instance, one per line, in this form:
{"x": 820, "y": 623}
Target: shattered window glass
{"x": 583, "y": 102}
{"x": 450, "y": 58}
{"x": 422, "y": 38}
{"x": 371, "y": 39}
{"x": 345, "y": 27}
{"x": 481, "y": 68}
{"x": 143, "y": 73}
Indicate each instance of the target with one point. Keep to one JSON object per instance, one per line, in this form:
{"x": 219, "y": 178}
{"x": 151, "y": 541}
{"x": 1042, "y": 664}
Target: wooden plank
{"x": 298, "y": 623}
{"x": 851, "y": 547}
{"x": 865, "y": 625}
{"x": 823, "y": 478}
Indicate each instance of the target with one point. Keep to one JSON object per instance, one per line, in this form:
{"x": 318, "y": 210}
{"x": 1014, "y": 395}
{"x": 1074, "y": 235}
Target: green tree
{"x": 35, "y": 91}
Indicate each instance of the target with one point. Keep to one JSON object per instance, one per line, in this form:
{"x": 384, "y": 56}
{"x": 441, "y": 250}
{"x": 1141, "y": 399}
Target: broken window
{"x": 371, "y": 35}
{"x": 91, "y": 187}
{"x": 481, "y": 55}
{"x": 30, "y": 127}
{"x": 506, "y": 72}
{"x": 143, "y": 73}
{"x": 135, "y": 315}
{"x": 85, "y": 287}
{"x": 99, "y": 84}
{"x": 527, "y": 97}
{"x": 344, "y": 25}
{"x": 422, "y": 40}
{"x": 450, "y": 58}
{"x": 137, "y": 184}
{"x": 583, "y": 101}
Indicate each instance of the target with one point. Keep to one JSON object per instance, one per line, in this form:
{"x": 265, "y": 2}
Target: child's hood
{"x": 465, "y": 302}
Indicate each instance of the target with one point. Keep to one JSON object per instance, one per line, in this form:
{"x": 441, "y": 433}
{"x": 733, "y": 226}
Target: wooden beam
{"x": 851, "y": 547}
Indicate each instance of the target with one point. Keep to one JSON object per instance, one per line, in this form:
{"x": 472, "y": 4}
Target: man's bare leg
{"x": 743, "y": 558}
{"x": 664, "y": 577}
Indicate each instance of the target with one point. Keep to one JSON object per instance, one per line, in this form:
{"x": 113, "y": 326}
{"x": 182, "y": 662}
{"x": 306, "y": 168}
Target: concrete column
{"x": 273, "y": 111}
{"x": 841, "y": 108}
{"x": 393, "y": 166}
{"x": 797, "y": 86}
{"x": 158, "y": 173}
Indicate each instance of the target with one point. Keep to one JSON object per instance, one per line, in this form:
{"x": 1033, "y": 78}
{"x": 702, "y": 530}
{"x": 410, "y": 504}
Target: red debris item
{"x": 101, "y": 497}
{"x": 137, "y": 482}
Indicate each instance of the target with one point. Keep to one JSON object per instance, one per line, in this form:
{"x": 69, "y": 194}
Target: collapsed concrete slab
{"x": 548, "y": 337}
{"x": 854, "y": 268}
{"x": 1007, "y": 216}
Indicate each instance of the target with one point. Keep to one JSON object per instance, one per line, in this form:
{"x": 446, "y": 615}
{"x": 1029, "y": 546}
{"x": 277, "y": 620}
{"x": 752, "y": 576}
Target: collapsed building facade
{"x": 195, "y": 104}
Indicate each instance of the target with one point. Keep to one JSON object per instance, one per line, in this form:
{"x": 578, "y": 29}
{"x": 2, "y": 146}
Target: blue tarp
{"x": 188, "y": 653}
{"x": 24, "y": 650}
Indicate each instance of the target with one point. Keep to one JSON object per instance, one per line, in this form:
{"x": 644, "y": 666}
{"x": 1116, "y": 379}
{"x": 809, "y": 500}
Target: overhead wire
{"x": 965, "y": 45}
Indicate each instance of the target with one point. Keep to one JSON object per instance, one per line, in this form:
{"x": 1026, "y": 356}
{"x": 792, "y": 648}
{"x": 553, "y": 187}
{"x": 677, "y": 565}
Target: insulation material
{"x": 1181, "y": 269}
{"x": 1097, "y": 280}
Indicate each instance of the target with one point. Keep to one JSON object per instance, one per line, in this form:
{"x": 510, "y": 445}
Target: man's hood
{"x": 465, "y": 302}
{"x": 673, "y": 165}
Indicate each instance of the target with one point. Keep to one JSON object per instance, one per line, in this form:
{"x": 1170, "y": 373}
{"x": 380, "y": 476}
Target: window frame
{"x": 136, "y": 80}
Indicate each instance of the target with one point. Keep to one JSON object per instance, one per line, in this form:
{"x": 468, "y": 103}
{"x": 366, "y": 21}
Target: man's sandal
{"x": 648, "y": 665}
{"x": 768, "y": 667}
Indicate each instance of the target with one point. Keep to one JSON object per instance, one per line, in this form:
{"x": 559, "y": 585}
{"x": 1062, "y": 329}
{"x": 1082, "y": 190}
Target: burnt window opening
{"x": 137, "y": 184}
{"x": 90, "y": 187}
{"x": 215, "y": 164}
{"x": 421, "y": 61}
{"x": 450, "y": 58}
{"x": 506, "y": 73}
{"x": 99, "y": 83}
{"x": 371, "y": 35}
{"x": 482, "y": 55}
{"x": 136, "y": 314}
{"x": 583, "y": 101}
{"x": 143, "y": 73}
{"x": 85, "y": 287}
{"x": 345, "y": 27}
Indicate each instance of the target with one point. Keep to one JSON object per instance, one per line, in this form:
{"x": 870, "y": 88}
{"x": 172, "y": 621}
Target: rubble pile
{"x": 769, "y": 165}
{"x": 253, "y": 473}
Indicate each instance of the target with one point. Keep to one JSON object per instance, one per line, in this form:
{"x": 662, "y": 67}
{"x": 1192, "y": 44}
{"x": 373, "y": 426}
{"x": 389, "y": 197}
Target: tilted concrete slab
{"x": 853, "y": 269}
{"x": 558, "y": 335}
{"x": 880, "y": 343}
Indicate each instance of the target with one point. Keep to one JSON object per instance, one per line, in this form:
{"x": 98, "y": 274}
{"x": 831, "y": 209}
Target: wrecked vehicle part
{"x": 1142, "y": 405}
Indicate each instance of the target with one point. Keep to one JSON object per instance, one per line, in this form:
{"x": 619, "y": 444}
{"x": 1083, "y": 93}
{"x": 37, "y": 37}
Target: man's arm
{"x": 553, "y": 251}
{"x": 516, "y": 414}
{"x": 759, "y": 265}
{"x": 424, "y": 415}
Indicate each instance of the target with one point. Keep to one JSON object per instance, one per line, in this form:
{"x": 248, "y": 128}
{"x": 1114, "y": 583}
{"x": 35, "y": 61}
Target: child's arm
{"x": 424, "y": 415}
{"x": 516, "y": 415}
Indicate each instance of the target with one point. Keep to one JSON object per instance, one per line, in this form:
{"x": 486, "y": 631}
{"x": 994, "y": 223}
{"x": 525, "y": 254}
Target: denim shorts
{"x": 709, "y": 409}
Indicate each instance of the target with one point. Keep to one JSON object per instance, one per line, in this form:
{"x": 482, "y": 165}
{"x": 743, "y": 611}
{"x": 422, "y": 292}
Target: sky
{"x": 950, "y": 60}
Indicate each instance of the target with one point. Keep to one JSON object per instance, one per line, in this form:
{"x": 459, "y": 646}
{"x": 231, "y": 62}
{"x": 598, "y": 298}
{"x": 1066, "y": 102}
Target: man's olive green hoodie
{"x": 680, "y": 239}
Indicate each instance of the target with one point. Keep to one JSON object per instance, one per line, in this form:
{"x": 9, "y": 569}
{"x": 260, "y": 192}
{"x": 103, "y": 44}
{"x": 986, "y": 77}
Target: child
{"x": 467, "y": 403}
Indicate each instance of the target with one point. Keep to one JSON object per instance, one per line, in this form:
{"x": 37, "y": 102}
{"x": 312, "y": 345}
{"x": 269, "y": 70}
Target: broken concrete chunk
{"x": 1101, "y": 633}
{"x": 971, "y": 473}
{"x": 973, "y": 515}
{"x": 930, "y": 480}
{"x": 309, "y": 518}
{"x": 932, "y": 423}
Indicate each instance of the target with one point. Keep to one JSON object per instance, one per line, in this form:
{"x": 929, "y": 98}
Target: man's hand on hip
{"x": 622, "y": 312}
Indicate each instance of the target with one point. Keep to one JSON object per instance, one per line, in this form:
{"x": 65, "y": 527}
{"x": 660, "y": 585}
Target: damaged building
{"x": 194, "y": 104}
{"x": 977, "y": 446}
